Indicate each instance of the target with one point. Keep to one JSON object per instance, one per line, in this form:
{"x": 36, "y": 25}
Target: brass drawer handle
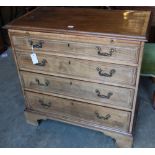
{"x": 45, "y": 105}
{"x": 103, "y": 96}
{"x": 42, "y": 84}
{"x": 111, "y": 51}
{"x": 106, "y": 117}
{"x": 42, "y": 63}
{"x": 101, "y": 73}
{"x": 38, "y": 44}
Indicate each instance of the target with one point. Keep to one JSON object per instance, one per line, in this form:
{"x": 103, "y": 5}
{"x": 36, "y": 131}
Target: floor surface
{"x": 15, "y": 132}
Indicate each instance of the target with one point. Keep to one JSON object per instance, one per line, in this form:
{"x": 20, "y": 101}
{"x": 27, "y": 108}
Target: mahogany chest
{"x": 87, "y": 66}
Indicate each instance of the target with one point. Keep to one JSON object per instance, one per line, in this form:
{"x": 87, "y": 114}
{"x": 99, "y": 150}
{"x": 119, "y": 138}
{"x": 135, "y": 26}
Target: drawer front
{"x": 85, "y": 50}
{"x": 69, "y": 108}
{"x": 96, "y": 71}
{"x": 100, "y": 93}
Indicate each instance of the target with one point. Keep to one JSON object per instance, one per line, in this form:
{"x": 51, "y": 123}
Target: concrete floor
{"x": 15, "y": 132}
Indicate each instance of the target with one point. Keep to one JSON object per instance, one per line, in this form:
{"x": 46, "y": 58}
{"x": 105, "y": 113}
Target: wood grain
{"x": 78, "y": 79}
{"x": 70, "y": 108}
{"x": 102, "y": 52}
{"x": 122, "y": 141}
{"x": 17, "y": 66}
{"x": 121, "y": 138}
{"x": 80, "y": 68}
{"x": 133, "y": 118}
{"x": 124, "y": 23}
{"x": 75, "y": 38}
{"x": 98, "y": 93}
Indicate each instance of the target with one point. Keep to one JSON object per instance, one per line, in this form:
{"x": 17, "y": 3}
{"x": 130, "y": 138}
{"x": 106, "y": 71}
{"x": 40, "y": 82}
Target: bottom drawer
{"x": 96, "y": 115}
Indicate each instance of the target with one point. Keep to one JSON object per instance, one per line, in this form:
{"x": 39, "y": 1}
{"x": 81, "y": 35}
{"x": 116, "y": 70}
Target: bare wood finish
{"x": 101, "y": 52}
{"x": 108, "y": 41}
{"x": 136, "y": 90}
{"x": 121, "y": 140}
{"x": 70, "y": 108}
{"x": 17, "y": 66}
{"x": 101, "y": 72}
{"x": 33, "y": 119}
{"x": 88, "y": 71}
{"x": 97, "y": 93}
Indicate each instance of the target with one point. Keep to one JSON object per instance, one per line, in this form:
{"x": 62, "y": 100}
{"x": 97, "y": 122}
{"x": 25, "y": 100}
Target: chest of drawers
{"x": 88, "y": 69}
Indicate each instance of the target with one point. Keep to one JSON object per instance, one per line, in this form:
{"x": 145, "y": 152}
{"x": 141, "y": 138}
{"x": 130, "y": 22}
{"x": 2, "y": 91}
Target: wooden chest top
{"x": 111, "y": 23}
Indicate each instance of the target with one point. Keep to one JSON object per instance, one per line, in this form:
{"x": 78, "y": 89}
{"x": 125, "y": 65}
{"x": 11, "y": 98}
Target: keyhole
{"x": 68, "y": 45}
{"x": 70, "y": 83}
{"x": 112, "y": 41}
{"x": 69, "y": 62}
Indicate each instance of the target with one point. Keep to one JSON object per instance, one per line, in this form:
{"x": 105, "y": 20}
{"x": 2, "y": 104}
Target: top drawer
{"x": 112, "y": 51}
